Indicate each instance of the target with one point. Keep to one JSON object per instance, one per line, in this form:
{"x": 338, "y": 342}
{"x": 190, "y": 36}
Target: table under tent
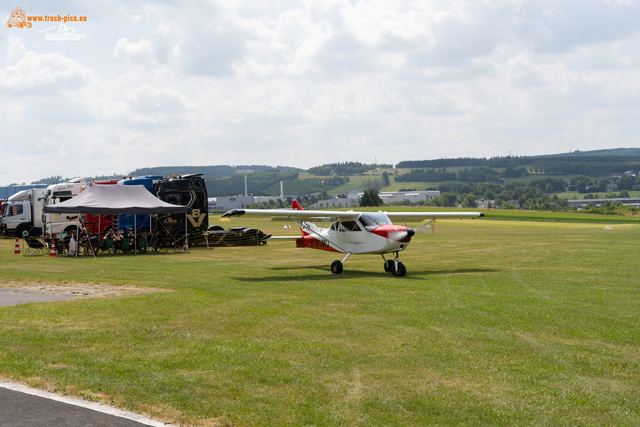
{"x": 99, "y": 199}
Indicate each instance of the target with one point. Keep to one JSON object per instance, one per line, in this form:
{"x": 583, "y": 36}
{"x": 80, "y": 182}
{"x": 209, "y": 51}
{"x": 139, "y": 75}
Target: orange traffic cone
{"x": 17, "y": 249}
{"x": 185, "y": 247}
{"x": 52, "y": 253}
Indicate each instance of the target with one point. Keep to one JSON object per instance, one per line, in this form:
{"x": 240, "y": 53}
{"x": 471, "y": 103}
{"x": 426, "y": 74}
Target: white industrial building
{"x": 353, "y": 198}
{"x": 411, "y": 196}
{"x": 229, "y": 202}
{"x": 225, "y": 203}
{"x": 634, "y": 202}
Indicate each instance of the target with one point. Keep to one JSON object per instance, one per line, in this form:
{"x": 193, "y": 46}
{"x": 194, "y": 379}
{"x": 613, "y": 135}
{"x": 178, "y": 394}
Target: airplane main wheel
{"x": 389, "y": 266}
{"x": 401, "y": 271}
{"x": 336, "y": 267}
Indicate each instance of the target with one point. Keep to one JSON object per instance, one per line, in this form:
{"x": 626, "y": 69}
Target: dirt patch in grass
{"x": 80, "y": 288}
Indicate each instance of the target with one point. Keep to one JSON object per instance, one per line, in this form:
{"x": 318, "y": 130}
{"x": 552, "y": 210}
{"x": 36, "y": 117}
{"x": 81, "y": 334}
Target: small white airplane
{"x": 352, "y": 232}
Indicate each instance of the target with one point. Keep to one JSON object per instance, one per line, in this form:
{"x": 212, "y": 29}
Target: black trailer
{"x": 237, "y": 236}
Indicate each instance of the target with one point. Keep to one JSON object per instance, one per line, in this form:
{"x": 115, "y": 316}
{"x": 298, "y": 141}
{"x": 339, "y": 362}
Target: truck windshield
{"x": 372, "y": 220}
{"x": 182, "y": 198}
{"x": 14, "y": 210}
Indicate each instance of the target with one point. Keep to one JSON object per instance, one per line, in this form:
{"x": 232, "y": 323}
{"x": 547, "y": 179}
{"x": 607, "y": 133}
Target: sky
{"x": 303, "y": 83}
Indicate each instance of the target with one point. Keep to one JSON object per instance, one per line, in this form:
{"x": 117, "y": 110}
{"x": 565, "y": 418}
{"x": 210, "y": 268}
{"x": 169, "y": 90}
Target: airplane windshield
{"x": 372, "y": 220}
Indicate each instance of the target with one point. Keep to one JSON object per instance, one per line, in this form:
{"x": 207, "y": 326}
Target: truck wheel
{"x": 22, "y": 232}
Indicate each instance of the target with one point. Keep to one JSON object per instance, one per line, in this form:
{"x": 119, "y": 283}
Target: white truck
{"x": 23, "y": 212}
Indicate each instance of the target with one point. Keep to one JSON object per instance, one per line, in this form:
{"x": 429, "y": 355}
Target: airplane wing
{"x": 293, "y": 215}
{"x": 423, "y": 216}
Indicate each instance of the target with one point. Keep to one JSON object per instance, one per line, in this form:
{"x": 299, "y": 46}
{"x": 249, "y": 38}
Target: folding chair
{"x": 141, "y": 244}
{"x": 126, "y": 245}
{"x": 34, "y": 246}
{"x": 107, "y": 246}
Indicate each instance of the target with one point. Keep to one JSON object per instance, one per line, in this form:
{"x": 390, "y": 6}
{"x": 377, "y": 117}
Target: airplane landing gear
{"x": 394, "y": 266}
{"x": 400, "y": 270}
{"x": 336, "y": 266}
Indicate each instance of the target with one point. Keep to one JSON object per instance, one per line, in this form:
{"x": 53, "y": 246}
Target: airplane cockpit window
{"x": 372, "y": 220}
{"x": 349, "y": 226}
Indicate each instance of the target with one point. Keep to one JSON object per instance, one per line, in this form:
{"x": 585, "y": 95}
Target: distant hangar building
{"x": 634, "y": 202}
{"x": 411, "y": 196}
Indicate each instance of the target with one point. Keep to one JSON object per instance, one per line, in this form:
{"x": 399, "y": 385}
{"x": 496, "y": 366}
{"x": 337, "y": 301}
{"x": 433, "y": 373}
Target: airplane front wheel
{"x": 336, "y": 267}
{"x": 400, "y": 271}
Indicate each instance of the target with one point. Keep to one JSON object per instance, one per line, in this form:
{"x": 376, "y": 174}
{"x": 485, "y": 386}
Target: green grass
{"x": 519, "y": 215}
{"x": 497, "y": 323}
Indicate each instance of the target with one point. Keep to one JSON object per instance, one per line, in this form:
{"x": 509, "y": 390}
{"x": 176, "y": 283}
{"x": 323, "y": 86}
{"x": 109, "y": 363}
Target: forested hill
{"x": 219, "y": 170}
{"x": 590, "y": 165}
{"x": 608, "y": 152}
{"x": 268, "y": 184}
{"x": 346, "y": 168}
{"x": 615, "y": 154}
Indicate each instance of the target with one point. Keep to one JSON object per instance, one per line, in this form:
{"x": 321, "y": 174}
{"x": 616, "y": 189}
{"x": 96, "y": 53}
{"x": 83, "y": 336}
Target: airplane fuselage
{"x": 354, "y": 238}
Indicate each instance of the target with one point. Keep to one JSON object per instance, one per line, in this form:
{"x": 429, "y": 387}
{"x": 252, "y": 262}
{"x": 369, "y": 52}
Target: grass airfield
{"x": 496, "y": 323}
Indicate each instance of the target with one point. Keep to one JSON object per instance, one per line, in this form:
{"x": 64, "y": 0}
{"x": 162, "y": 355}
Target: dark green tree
{"x": 385, "y": 178}
{"x": 370, "y": 198}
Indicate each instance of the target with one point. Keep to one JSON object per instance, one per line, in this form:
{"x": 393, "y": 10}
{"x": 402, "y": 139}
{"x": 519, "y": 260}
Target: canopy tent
{"x": 115, "y": 199}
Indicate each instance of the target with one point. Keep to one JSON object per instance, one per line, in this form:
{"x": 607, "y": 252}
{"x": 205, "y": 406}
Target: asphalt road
{"x": 18, "y": 296}
{"x": 24, "y": 410}
{"x": 21, "y": 406}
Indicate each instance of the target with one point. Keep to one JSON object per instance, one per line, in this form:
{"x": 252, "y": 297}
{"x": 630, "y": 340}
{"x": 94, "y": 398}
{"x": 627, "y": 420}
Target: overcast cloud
{"x": 305, "y": 83}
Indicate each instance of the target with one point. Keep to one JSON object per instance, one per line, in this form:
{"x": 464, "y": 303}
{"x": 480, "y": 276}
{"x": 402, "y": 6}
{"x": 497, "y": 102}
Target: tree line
{"x": 536, "y": 194}
{"x": 475, "y": 174}
{"x": 208, "y": 171}
{"x": 591, "y": 165}
{"x": 268, "y": 184}
{"x": 346, "y": 168}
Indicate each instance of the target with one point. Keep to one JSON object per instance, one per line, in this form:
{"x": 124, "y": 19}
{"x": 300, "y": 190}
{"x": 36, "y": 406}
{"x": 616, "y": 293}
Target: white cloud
{"x": 349, "y": 80}
{"x": 143, "y": 52}
{"x": 42, "y": 73}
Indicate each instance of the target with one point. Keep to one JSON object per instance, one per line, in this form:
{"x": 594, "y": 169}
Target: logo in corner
{"x": 64, "y": 33}
{"x": 18, "y": 19}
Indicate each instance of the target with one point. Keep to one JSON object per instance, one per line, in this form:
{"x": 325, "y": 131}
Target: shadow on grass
{"x": 350, "y": 274}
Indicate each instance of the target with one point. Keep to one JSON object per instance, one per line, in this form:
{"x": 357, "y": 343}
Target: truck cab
{"x": 58, "y": 193}
{"x": 22, "y": 214}
{"x": 186, "y": 190}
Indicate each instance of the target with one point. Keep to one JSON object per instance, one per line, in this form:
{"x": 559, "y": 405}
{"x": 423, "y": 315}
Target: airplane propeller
{"x": 431, "y": 224}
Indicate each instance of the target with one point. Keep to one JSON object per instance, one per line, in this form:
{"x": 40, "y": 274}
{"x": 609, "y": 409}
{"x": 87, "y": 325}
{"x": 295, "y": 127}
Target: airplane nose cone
{"x": 410, "y": 232}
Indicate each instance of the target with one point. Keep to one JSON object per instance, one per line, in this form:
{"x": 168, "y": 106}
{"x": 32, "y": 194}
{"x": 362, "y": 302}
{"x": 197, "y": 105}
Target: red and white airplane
{"x": 350, "y": 232}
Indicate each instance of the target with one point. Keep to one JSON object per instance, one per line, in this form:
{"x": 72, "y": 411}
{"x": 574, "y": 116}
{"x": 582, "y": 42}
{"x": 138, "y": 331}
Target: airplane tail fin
{"x": 298, "y": 207}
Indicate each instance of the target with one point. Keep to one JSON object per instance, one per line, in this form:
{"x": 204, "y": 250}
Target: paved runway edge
{"x": 94, "y": 406}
